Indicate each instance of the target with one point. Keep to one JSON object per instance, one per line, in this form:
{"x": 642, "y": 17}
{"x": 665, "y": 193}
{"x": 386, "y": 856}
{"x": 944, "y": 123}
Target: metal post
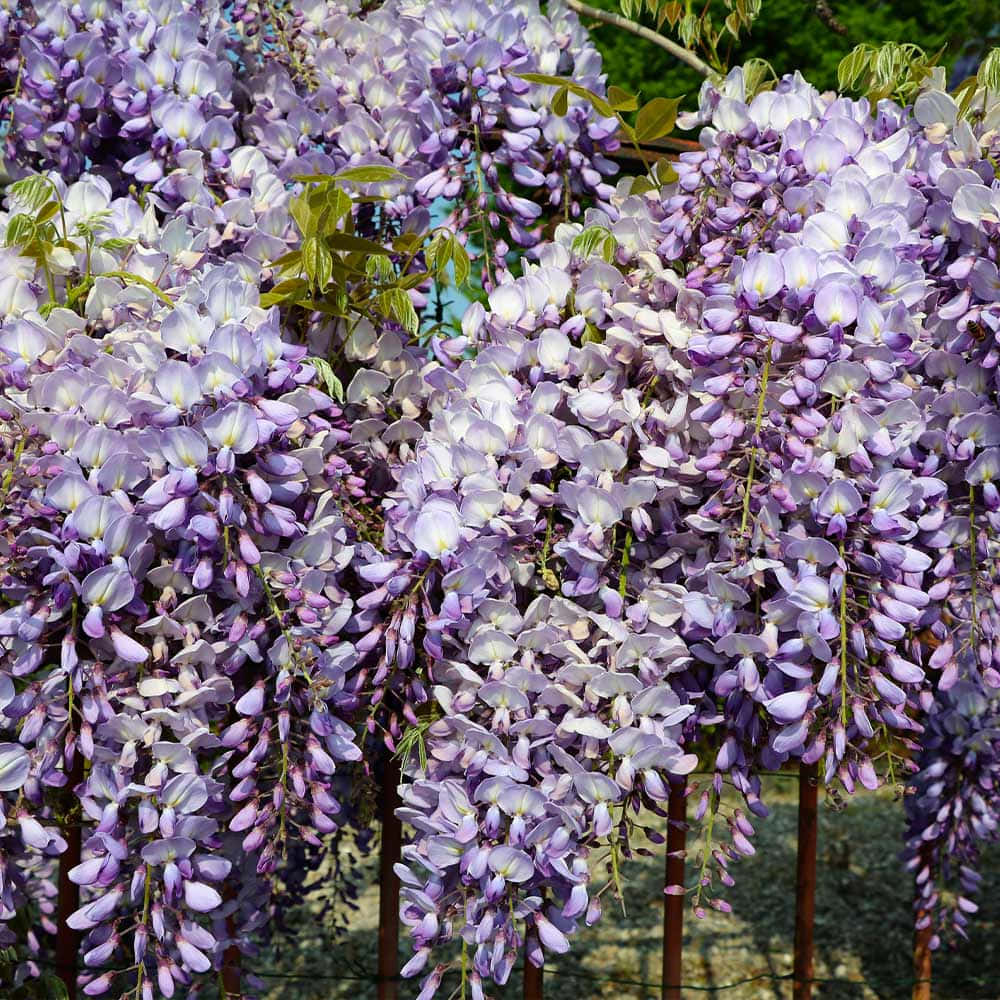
{"x": 922, "y": 963}
{"x": 922, "y": 947}
{"x": 673, "y": 905}
{"x": 805, "y": 883}
{"x": 67, "y": 939}
{"x": 388, "y": 900}
{"x": 532, "y": 980}
{"x": 232, "y": 986}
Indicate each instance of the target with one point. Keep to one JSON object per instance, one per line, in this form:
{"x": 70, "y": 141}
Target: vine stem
{"x": 706, "y": 851}
{"x": 843, "y": 640}
{"x": 974, "y": 568}
{"x": 147, "y": 891}
{"x": 758, "y": 422}
{"x": 481, "y": 209}
{"x": 625, "y": 562}
{"x": 620, "y": 21}
{"x": 8, "y": 477}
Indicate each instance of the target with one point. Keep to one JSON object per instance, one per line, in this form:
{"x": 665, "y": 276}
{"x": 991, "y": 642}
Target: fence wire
{"x": 363, "y": 976}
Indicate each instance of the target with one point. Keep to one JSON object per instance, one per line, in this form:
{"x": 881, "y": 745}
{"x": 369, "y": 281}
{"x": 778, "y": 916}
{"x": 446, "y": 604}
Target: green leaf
{"x": 560, "y": 103}
{"x": 370, "y": 175}
{"x": 317, "y": 262}
{"x": 395, "y": 304}
{"x": 115, "y": 243}
{"x": 656, "y": 119}
{"x": 670, "y": 13}
{"x": 852, "y": 66}
{"x": 49, "y": 211}
{"x": 32, "y": 192}
{"x": 460, "y": 260}
{"x": 446, "y": 249}
{"x": 139, "y": 280}
{"x": 338, "y": 206}
{"x": 622, "y": 100}
{"x": 407, "y": 243}
{"x": 989, "y": 72}
{"x": 290, "y": 286}
{"x": 303, "y": 216}
{"x": 55, "y": 988}
{"x": 21, "y": 229}
{"x": 596, "y": 239}
{"x": 333, "y": 384}
{"x": 345, "y": 241}
{"x": 599, "y": 103}
{"x": 379, "y": 267}
{"x": 641, "y": 185}
{"x": 288, "y": 261}
{"x": 665, "y": 173}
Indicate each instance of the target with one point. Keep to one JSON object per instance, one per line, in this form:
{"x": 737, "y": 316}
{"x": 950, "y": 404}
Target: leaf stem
{"x": 843, "y": 640}
{"x": 481, "y": 209}
{"x": 758, "y": 421}
{"x": 626, "y": 546}
{"x": 147, "y": 892}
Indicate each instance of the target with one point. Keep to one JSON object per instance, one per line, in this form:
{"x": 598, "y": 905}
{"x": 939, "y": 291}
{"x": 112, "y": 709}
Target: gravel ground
{"x": 863, "y": 928}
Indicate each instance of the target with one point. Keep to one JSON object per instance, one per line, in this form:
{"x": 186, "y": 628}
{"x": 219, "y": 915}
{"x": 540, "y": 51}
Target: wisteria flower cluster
{"x": 436, "y": 91}
{"x": 714, "y": 478}
{"x": 173, "y": 552}
{"x": 122, "y": 88}
{"x": 796, "y": 431}
{"x": 150, "y": 98}
{"x": 954, "y": 808}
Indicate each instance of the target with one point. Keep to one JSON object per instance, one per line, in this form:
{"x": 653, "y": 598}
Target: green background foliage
{"x": 790, "y": 35}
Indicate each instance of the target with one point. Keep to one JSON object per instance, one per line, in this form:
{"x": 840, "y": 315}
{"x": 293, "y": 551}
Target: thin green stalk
{"x": 758, "y": 422}
{"x": 843, "y": 641}
{"x": 282, "y": 813}
{"x": 147, "y": 893}
{"x": 481, "y": 187}
{"x": 548, "y": 577}
{"x": 49, "y": 280}
{"x": 625, "y": 561}
{"x": 706, "y": 853}
{"x": 8, "y": 476}
{"x": 465, "y": 965}
{"x": 973, "y": 559}
{"x": 276, "y": 612}
{"x": 615, "y": 870}
{"x": 16, "y": 94}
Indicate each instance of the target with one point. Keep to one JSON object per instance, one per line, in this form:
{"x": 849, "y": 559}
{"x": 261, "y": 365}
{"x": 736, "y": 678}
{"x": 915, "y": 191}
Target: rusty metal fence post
{"x": 67, "y": 939}
{"x": 388, "y": 898}
{"x": 532, "y": 979}
{"x": 673, "y": 905}
{"x": 68, "y": 900}
{"x": 922, "y": 936}
{"x": 805, "y": 883}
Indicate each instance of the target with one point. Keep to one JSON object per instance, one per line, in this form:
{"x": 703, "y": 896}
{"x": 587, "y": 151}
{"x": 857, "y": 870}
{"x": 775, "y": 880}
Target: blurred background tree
{"x": 797, "y": 35}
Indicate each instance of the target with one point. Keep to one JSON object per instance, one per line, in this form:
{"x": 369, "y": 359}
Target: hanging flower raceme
{"x": 117, "y": 88}
{"x": 553, "y": 717}
{"x": 847, "y": 424}
{"x": 822, "y": 490}
{"x": 175, "y": 613}
{"x": 953, "y": 810}
{"x": 437, "y": 93}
